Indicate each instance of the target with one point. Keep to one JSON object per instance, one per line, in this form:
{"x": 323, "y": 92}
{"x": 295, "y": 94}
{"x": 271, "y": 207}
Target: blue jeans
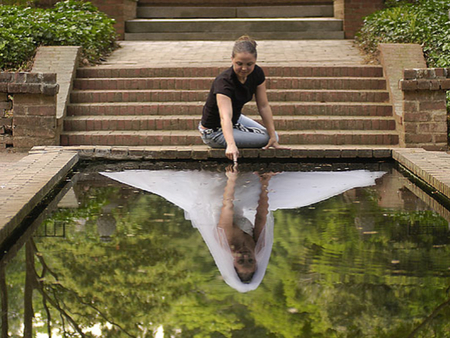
{"x": 247, "y": 134}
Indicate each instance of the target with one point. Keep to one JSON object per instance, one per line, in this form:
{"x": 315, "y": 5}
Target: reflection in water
{"x": 234, "y": 212}
{"x": 116, "y": 261}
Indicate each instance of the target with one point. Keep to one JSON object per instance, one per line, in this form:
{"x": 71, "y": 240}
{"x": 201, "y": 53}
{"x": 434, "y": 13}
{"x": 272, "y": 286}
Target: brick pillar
{"x": 33, "y": 110}
{"x": 120, "y": 10}
{"x": 353, "y": 13}
{"x": 34, "y": 121}
{"x": 424, "y": 108}
{"x": 6, "y": 123}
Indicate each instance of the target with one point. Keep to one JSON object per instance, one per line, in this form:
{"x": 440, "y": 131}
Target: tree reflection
{"x": 342, "y": 267}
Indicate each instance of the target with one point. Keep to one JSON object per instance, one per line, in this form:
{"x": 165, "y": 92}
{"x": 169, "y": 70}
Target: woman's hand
{"x": 232, "y": 152}
{"x": 273, "y": 143}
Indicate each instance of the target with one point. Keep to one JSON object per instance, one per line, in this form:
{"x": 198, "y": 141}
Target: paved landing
{"x": 218, "y": 53}
{"x": 433, "y": 167}
{"x": 23, "y": 185}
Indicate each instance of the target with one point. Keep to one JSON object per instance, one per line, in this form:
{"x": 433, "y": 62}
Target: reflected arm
{"x": 263, "y": 207}
{"x": 227, "y": 211}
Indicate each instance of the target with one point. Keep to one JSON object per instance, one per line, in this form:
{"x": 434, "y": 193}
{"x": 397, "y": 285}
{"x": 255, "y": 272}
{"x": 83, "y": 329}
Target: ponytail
{"x": 245, "y": 44}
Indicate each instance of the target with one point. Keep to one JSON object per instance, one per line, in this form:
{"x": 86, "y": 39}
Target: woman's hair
{"x": 245, "y": 277}
{"x": 244, "y": 44}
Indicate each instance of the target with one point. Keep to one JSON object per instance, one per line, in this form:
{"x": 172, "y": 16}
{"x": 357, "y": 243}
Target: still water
{"x": 307, "y": 250}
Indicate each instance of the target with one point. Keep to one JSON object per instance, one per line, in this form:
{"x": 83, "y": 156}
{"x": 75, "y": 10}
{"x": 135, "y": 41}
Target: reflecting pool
{"x": 293, "y": 250}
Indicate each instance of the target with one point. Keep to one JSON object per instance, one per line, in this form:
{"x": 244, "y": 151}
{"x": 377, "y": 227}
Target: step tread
{"x": 207, "y": 90}
{"x": 194, "y": 103}
{"x": 310, "y": 34}
{"x": 196, "y": 133}
{"x": 193, "y": 20}
{"x": 105, "y": 72}
{"x": 186, "y": 117}
{"x": 211, "y": 11}
{"x": 325, "y": 78}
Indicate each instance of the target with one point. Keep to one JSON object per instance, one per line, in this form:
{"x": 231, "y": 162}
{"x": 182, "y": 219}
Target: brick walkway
{"x": 218, "y": 53}
{"x": 25, "y": 183}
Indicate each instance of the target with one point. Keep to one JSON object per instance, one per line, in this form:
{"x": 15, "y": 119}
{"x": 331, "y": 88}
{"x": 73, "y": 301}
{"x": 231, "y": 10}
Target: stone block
{"x": 216, "y": 153}
{"x": 250, "y": 153}
{"x": 299, "y": 153}
{"x": 382, "y": 153}
{"x": 102, "y": 152}
{"x": 349, "y": 153}
{"x": 332, "y": 153}
{"x": 200, "y": 154}
{"x": 365, "y": 153}
{"x": 119, "y": 153}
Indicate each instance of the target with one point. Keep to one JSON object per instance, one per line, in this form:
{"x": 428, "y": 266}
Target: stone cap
{"x": 28, "y": 83}
{"x": 425, "y": 79}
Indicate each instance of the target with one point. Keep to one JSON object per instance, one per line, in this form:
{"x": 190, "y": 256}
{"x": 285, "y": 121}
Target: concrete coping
{"x": 29, "y": 83}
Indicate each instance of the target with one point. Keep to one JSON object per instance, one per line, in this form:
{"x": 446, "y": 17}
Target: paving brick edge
{"x": 206, "y": 153}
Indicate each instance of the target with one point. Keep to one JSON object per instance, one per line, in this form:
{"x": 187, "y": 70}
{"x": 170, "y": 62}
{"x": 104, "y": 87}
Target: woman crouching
{"x": 222, "y": 124}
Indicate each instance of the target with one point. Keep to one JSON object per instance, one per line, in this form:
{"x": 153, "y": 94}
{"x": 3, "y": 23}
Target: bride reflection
{"x": 234, "y": 211}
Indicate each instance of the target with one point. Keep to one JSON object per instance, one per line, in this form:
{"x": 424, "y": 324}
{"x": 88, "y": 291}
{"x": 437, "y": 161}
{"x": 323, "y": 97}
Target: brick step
{"x": 140, "y": 123}
{"x": 270, "y": 71}
{"x": 182, "y": 138}
{"x": 230, "y": 26}
{"x": 195, "y": 108}
{"x": 200, "y": 95}
{"x": 232, "y": 36}
{"x": 234, "y": 12}
{"x": 197, "y": 83}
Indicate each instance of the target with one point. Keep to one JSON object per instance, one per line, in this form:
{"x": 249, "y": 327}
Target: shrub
{"x": 68, "y": 23}
{"x": 425, "y": 22}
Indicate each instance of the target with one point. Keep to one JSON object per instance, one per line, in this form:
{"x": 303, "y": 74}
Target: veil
{"x": 199, "y": 194}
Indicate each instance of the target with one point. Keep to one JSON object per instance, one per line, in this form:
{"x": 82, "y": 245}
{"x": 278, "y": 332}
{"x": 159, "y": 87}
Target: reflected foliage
{"x": 130, "y": 263}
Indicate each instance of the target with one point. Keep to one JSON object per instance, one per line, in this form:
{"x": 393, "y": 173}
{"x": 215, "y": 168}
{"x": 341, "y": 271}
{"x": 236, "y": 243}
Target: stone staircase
{"x": 312, "y": 105}
{"x": 274, "y": 22}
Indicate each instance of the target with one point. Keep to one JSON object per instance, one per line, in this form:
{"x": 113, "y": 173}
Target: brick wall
{"x": 120, "y": 10}
{"x": 424, "y": 107}
{"x": 353, "y": 13}
{"x": 32, "y": 97}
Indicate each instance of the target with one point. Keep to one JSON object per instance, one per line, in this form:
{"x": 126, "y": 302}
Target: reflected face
{"x": 243, "y": 64}
{"x": 245, "y": 264}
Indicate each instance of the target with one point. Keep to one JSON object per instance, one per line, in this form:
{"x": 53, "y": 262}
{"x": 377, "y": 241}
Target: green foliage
{"x": 425, "y": 22}
{"x": 68, "y": 23}
{"x": 338, "y": 269}
{"x": 18, "y": 2}
{"x": 396, "y": 3}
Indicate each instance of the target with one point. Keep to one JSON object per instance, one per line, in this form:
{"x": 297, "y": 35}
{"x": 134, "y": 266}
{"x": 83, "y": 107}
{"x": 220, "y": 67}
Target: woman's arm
{"x": 226, "y": 115}
{"x": 263, "y": 206}
{"x": 266, "y": 114}
{"x": 227, "y": 211}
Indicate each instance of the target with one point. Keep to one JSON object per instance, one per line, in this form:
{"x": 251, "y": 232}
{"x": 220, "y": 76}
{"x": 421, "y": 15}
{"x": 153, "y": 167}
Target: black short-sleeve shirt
{"x": 228, "y": 84}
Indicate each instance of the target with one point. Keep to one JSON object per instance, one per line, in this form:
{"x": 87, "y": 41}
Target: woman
{"x": 242, "y": 235}
{"x": 222, "y": 124}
